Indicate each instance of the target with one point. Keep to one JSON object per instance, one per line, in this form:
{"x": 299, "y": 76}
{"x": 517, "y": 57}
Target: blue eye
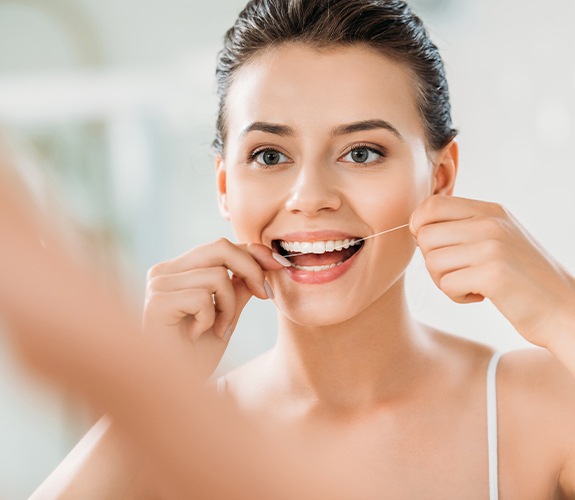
{"x": 270, "y": 157}
{"x": 363, "y": 154}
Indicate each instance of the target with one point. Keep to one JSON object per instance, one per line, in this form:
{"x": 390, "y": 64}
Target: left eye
{"x": 362, "y": 154}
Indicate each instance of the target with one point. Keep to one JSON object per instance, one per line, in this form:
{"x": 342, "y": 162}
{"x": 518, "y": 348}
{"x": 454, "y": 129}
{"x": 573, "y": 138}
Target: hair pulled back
{"x": 388, "y": 26}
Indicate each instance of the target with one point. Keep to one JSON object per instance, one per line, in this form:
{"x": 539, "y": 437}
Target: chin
{"x": 324, "y": 312}
{"x": 327, "y": 307}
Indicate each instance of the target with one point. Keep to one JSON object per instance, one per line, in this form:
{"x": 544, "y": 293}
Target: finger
{"x": 440, "y": 208}
{"x": 242, "y": 296}
{"x": 446, "y": 260}
{"x": 210, "y": 278}
{"x": 170, "y": 308}
{"x": 473, "y": 284}
{"x": 221, "y": 253}
{"x": 484, "y": 254}
{"x": 465, "y": 231}
{"x": 214, "y": 280}
{"x": 267, "y": 258}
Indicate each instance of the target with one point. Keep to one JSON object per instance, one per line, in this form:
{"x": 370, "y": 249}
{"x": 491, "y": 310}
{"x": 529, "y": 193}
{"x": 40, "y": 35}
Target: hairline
{"x": 415, "y": 90}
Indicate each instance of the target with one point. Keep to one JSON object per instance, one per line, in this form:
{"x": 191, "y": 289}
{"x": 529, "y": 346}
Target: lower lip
{"x": 320, "y": 277}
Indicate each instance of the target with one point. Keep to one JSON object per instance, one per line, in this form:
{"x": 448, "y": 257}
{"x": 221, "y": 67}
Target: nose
{"x": 315, "y": 190}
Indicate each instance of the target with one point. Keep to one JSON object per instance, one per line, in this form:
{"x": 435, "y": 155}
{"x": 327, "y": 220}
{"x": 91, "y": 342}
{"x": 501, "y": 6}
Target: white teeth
{"x": 316, "y": 269}
{"x": 317, "y": 247}
{"x": 306, "y": 247}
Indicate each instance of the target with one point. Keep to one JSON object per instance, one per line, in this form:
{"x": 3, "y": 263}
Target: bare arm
{"x": 84, "y": 338}
{"x": 476, "y": 250}
{"x": 101, "y": 466}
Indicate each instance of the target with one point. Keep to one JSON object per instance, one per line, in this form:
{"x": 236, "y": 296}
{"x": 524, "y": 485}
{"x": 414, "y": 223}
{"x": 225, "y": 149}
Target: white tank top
{"x": 492, "y": 425}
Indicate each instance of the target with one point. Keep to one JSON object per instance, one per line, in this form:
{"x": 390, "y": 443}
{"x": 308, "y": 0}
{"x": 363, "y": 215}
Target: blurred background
{"x": 112, "y": 102}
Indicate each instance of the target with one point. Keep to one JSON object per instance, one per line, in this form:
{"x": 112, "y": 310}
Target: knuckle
{"x": 424, "y": 233}
{"x": 494, "y": 249}
{"x": 223, "y": 243}
{"x": 433, "y": 261}
{"x": 421, "y": 234}
{"x": 436, "y": 278}
{"x": 490, "y": 227}
{"x": 155, "y": 270}
{"x": 155, "y": 284}
{"x": 445, "y": 284}
{"x": 448, "y": 284}
{"x": 497, "y": 209}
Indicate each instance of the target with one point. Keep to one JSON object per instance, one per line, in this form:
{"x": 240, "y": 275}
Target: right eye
{"x": 269, "y": 157}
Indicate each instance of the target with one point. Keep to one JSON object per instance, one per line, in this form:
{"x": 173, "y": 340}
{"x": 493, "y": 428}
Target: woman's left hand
{"x": 475, "y": 250}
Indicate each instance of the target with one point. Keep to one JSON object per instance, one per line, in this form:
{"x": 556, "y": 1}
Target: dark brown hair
{"x": 388, "y": 26}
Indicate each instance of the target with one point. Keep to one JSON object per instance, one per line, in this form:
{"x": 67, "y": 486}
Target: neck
{"x": 366, "y": 360}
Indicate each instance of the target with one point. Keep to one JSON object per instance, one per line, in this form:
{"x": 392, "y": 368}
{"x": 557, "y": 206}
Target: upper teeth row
{"x": 317, "y": 246}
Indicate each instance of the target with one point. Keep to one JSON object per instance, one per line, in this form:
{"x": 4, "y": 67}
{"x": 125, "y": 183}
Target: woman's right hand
{"x": 194, "y": 301}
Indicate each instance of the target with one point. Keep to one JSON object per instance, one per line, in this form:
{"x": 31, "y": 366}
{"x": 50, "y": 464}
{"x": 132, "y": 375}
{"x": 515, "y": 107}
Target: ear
{"x": 445, "y": 169}
{"x": 222, "y": 187}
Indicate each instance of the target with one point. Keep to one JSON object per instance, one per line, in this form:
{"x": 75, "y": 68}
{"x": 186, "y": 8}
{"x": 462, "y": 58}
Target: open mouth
{"x": 318, "y": 256}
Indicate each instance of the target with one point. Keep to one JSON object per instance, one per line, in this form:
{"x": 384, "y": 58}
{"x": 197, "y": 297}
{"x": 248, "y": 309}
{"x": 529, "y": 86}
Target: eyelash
{"x": 259, "y": 151}
{"x": 381, "y": 152}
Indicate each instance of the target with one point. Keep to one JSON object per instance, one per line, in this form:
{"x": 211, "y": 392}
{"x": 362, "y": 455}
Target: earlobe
{"x": 222, "y": 187}
{"x": 223, "y": 204}
{"x": 445, "y": 170}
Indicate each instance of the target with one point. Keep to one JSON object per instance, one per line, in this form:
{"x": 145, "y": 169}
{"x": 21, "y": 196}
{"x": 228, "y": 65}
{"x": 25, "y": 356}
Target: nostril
{"x": 313, "y": 197}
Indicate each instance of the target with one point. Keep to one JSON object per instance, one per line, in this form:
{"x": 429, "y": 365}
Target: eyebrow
{"x": 361, "y": 126}
{"x": 270, "y": 128}
{"x": 349, "y": 128}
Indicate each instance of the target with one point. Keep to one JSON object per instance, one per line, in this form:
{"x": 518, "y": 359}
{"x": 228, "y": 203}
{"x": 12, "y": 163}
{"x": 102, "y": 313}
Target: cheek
{"x": 250, "y": 207}
{"x": 391, "y": 201}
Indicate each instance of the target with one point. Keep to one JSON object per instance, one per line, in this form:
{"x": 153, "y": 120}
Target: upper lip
{"x": 311, "y": 236}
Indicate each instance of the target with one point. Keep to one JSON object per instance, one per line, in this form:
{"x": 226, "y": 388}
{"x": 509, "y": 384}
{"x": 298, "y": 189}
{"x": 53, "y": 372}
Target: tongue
{"x": 324, "y": 259}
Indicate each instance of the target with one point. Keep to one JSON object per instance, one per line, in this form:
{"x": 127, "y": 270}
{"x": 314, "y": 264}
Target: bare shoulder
{"x": 538, "y": 370}
{"x": 536, "y": 378}
{"x": 536, "y": 398}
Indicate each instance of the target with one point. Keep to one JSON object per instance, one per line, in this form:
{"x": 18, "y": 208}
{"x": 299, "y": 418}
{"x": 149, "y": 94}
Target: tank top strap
{"x": 492, "y": 425}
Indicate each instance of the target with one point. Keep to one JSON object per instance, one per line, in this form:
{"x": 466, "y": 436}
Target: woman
{"x": 335, "y": 125}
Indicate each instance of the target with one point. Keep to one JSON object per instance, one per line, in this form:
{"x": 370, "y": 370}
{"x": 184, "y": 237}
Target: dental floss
{"x": 357, "y": 241}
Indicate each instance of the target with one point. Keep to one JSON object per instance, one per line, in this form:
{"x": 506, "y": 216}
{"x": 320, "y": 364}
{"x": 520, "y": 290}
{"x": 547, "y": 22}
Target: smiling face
{"x": 324, "y": 146}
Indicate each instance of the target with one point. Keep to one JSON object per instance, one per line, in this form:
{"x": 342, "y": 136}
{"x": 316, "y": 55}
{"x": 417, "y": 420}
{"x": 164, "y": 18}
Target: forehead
{"x": 309, "y": 88}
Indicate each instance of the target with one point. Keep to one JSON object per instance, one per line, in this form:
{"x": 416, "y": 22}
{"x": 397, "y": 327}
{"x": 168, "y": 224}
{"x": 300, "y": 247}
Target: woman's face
{"x": 324, "y": 146}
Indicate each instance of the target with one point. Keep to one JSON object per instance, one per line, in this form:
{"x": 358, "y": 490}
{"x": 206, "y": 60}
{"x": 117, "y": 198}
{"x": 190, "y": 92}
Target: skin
{"x": 354, "y": 379}
{"x": 165, "y": 421}
{"x": 352, "y": 372}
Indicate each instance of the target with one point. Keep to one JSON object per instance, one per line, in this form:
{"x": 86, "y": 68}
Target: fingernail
{"x": 268, "y": 289}
{"x": 411, "y": 223}
{"x": 281, "y": 259}
{"x": 228, "y": 334}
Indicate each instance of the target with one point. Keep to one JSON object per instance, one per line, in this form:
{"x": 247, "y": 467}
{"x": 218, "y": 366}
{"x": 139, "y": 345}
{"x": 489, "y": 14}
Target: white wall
{"x": 119, "y": 94}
